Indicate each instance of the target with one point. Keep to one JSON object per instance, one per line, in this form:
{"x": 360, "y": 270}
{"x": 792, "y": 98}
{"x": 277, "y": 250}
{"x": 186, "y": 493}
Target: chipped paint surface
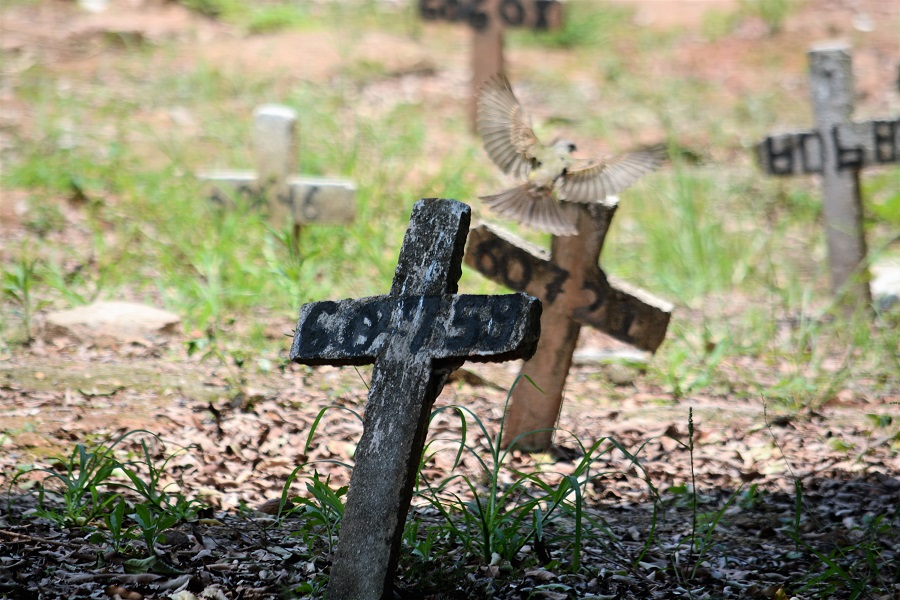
{"x": 416, "y": 335}
{"x": 412, "y": 329}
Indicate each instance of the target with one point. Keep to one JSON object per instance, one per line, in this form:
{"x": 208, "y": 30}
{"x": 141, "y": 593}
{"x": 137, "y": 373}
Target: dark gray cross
{"x": 836, "y": 149}
{"x": 416, "y": 335}
{"x": 575, "y": 292}
{"x": 300, "y": 199}
{"x": 488, "y": 19}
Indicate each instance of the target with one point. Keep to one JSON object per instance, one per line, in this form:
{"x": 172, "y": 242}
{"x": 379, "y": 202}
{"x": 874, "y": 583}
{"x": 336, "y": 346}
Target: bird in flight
{"x": 551, "y": 173}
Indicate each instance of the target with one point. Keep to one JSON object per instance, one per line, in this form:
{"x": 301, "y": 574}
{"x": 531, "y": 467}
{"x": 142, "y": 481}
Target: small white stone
{"x": 121, "y": 321}
{"x": 885, "y": 284}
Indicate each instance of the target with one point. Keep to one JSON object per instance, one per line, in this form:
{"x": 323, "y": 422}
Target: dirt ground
{"x": 59, "y": 392}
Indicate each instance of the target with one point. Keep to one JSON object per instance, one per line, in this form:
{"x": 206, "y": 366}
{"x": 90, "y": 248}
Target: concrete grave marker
{"x": 303, "y": 200}
{"x": 488, "y": 18}
{"x": 575, "y": 293}
{"x": 416, "y": 335}
{"x": 837, "y": 149}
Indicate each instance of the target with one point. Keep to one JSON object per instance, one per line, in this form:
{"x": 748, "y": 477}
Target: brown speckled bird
{"x": 552, "y": 174}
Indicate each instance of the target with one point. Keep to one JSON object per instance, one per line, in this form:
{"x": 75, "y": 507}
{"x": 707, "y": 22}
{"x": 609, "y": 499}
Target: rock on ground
{"x": 115, "y": 321}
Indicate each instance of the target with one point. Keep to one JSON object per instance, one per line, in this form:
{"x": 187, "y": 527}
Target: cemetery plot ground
{"x": 241, "y": 449}
{"x": 756, "y": 454}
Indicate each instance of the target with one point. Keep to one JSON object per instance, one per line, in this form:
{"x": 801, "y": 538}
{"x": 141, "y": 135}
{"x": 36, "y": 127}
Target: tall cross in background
{"x": 488, "y": 19}
{"x": 837, "y": 149}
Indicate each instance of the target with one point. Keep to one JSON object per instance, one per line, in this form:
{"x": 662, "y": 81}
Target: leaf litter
{"x": 233, "y": 453}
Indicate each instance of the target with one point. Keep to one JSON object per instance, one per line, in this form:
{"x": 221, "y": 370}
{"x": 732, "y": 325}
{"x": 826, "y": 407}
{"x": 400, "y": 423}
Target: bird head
{"x": 563, "y": 146}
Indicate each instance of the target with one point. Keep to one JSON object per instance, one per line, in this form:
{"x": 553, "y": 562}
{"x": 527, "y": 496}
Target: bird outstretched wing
{"x": 504, "y": 127}
{"x": 593, "y": 179}
{"x": 535, "y": 207}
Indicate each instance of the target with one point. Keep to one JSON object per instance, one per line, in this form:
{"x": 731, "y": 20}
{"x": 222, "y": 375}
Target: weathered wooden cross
{"x": 304, "y": 200}
{"x": 487, "y": 18}
{"x": 575, "y": 292}
{"x": 416, "y": 335}
{"x": 837, "y": 149}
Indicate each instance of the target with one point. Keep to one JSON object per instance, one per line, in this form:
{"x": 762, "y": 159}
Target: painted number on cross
{"x": 513, "y": 267}
{"x": 510, "y": 13}
{"x": 248, "y": 192}
{"x": 804, "y": 152}
{"x": 472, "y": 324}
{"x": 329, "y": 326}
{"x": 308, "y": 207}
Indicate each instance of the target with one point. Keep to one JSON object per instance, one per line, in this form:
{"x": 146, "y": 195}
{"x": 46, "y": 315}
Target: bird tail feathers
{"x": 535, "y": 208}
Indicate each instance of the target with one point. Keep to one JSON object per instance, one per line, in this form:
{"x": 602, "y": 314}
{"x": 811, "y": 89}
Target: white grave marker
{"x": 303, "y": 200}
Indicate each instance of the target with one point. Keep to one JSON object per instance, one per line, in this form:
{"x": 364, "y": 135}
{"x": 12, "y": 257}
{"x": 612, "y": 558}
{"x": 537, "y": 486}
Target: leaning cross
{"x": 416, "y": 335}
{"x": 575, "y": 292}
{"x": 837, "y": 149}
{"x": 487, "y": 18}
{"x": 304, "y": 200}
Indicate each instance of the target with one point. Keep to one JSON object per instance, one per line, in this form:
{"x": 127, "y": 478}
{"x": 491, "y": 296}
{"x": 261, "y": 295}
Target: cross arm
{"x": 479, "y": 14}
{"x": 322, "y": 200}
{"x": 857, "y": 145}
{"x": 613, "y": 307}
{"x": 515, "y": 263}
{"x": 467, "y": 327}
{"x": 625, "y": 312}
{"x": 347, "y": 332}
{"x": 487, "y": 328}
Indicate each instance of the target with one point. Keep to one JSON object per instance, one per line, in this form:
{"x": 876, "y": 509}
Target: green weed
{"x": 773, "y": 12}
{"x": 215, "y": 8}
{"x": 321, "y": 512}
{"x": 84, "y": 491}
{"x": 19, "y": 285}
{"x": 586, "y": 25}
{"x": 859, "y": 566}
{"x": 495, "y": 520}
{"x": 703, "y": 523}
{"x": 79, "y": 483}
{"x": 115, "y": 525}
{"x": 44, "y": 218}
{"x": 147, "y": 483}
{"x": 267, "y": 19}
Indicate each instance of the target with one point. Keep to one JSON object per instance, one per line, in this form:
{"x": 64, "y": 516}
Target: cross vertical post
{"x": 533, "y": 409}
{"x": 487, "y": 56}
{"x": 488, "y": 19}
{"x": 275, "y": 150}
{"x": 831, "y": 87}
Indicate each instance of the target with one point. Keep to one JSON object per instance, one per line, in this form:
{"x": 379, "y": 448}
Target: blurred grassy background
{"x": 101, "y": 202}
